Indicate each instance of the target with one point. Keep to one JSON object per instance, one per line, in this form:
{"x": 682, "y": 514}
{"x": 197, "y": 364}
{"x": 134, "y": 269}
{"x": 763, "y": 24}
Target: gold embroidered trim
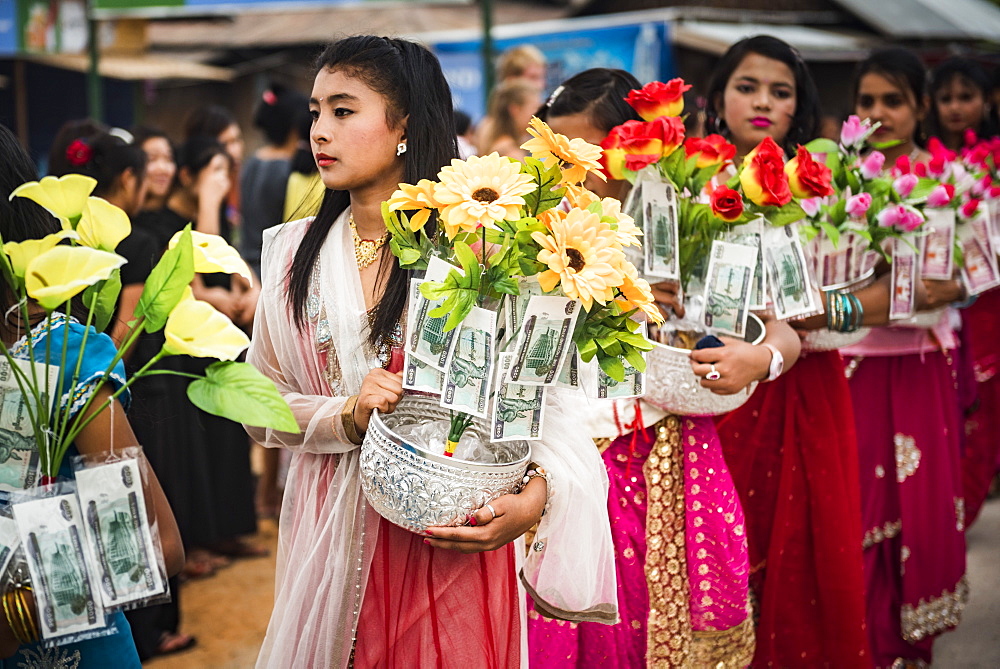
{"x": 668, "y": 631}
{"x": 879, "y": 534}
{"x": 723, "y": 649}
{"x": 960, "y": 514}
{"x": 928, "y": 618}
{"x": 907, "y": 456}
{"x": 603, "y": 444}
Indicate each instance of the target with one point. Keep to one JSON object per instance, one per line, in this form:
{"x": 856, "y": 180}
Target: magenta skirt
{"x": 696, "y": 578}
{"x": 911, "y": 501}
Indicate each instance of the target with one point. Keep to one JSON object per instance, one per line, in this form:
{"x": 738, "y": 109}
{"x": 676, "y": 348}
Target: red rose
{"x": 636, "y": 144}
{"x": 657, "y": 99}
{"x": 727, "y": 204}
{"x": 763, "y": 176}
{"x": 969, "y": 208}
{"x": 78, "y": 153}
{"x": 711, "y": 150}
{"x": 806, "y": 177}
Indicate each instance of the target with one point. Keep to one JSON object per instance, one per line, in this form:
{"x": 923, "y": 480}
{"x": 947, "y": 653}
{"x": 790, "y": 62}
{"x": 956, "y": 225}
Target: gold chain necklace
{"x": 366, "y": 250}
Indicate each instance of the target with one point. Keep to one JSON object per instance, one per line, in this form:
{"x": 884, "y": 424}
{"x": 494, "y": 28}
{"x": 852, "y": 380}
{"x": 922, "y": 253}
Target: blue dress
{"x": 117, "y": 650}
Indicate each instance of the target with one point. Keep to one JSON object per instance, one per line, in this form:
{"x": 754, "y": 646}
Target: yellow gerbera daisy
{"x": 551, "y": 217}
{"x": 419, "y": 197}
{"x": 575, "y": 156}
{"x": 480, "y": 191}
{"x": 628, "y": 232}
{"x": 581, "y": 255}
{"x": 638, "y": 294}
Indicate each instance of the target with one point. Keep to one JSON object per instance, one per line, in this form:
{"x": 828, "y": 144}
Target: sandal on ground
{"x": 174, "y": 642}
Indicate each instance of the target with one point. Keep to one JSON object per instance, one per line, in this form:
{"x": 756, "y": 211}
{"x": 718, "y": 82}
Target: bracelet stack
{"x": 21, "y": 614}
{"x": 844, "y": 312}
{"x": 534, "y": 471}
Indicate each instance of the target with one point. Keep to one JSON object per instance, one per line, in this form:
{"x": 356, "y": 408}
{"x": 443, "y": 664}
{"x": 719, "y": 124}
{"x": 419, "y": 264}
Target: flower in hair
{"x": 269, "y": 97}
{"x": 79, "y": 153}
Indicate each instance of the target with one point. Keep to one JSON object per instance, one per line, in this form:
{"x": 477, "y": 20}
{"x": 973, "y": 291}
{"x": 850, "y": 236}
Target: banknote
{"x": 569, "y": 373}
{"x": 426, "y": 337}
{"x": 904, "y": 280}
{"x": 516, "y": 306}
{"x": 937, "y": 261}
{"x": 18, "y": 452}
{"x": 544, "y": 340}
{"x": 842, "y": 262}
{"x": 727, "y": 287}
{"x": 752, "y": 234}
{"x": 518, "y": 410}
{"x": 789, "y": 280}
{"x": 63, "y": 573}
{"x": 659, "y": 229}
{"x": 634, "y": 384}
{"x": 9, "y": 541}
{"x": 979, "y": 267}
{"x": 469, "y": 371}
{"x": 421, "y": 377}
{"x": 118, "y": 532}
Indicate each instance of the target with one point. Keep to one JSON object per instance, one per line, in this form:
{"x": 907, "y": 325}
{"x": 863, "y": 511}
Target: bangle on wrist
{"x": 535, "y": 471}
{"x": 777, "y": 362}
{"x": 347, "y": 421}
{"x": 21, "y": 615}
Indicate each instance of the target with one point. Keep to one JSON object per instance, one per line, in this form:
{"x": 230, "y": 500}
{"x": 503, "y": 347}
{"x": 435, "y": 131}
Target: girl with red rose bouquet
{"x": 677, "y": 525}
{"x": 792, "y": 452}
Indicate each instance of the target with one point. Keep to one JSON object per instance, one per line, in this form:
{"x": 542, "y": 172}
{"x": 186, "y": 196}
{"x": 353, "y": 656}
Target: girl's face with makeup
{"x": 884, "y": 101}
{"x": 759, "y": 101}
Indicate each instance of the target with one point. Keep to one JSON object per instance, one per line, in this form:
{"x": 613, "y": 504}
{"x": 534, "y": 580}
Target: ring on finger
{"x": 713, "y": 375}
{"x": 492, "y": 510}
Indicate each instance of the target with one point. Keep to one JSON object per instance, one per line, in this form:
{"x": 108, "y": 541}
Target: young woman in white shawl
{"x": 352, "y": 589}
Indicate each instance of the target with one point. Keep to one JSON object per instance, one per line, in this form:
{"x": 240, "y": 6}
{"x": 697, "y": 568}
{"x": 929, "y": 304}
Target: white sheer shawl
{"x": 327, "y": 531}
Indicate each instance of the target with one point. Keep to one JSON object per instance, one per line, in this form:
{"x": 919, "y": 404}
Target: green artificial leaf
{"x": 790, "y": 213}
{"x": 587, "y": 349}
{"x": 102, "y": 298}
{"x": 635, "y": 358}
{"x": 237, "y": 391}
{"x": 166, "y": 283}
{"x": 922, "y": 189}
{"x": 547, "y": 194}
{"x": 832, "y": 232}
{"x": 613, "y": 367}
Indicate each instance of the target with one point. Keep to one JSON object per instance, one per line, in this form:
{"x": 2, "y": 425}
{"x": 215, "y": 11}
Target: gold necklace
{"x": 366, "y": 250}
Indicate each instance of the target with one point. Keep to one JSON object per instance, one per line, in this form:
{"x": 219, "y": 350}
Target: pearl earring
{"x": 401, "y": 148}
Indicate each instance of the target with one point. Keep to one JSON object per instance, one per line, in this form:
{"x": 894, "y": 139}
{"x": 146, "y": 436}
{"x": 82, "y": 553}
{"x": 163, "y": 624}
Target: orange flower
{"x": 711, "y": 150}
{"x": 763, "y": 176}
{"x": 419, "y": 198}
{"x": 582, "y": 257}
{"x": 657, "y": 99}
{"x": 635, "y": 144}
{"x": 638, "y": 294}
{"x": 576, "y": 156}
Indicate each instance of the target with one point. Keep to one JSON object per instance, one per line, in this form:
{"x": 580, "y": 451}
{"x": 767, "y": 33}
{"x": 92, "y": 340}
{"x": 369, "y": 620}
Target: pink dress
{"x": 904, "y": 387}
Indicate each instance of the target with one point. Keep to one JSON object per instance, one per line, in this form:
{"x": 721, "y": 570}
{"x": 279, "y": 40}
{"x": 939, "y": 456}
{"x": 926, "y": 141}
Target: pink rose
{"x": 811, "y": 205}
{"x": 853, "y": 132}
{"x": 905, "y": 184}
{"x": 969, "y": 208}
{"x": 872, "y": 164}
{"x": 857, "y": 205}
{"x": 941, "y": 196}
{"x": 900, "y": 217}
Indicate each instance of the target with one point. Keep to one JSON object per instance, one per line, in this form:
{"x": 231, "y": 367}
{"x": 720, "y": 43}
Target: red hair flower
{"x": 269, "y": 97}
{"x": 79, "y": 153}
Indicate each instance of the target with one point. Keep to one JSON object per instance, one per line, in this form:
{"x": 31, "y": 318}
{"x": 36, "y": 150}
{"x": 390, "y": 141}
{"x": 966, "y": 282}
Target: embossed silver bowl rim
{"x": 851, "y": 285}
{"x": 750, "y": 317}
{"x": 429, "y": 407}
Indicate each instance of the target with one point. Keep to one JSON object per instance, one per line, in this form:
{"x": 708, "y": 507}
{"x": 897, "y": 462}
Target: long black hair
{"x": 969, "y": 73}
{"x": 409, "y": 77}
{"x": 901, "y": 67}
{"x": 805, "y": 121}
{"x": 599, "y": 92}
{"x": 280, "y": 112}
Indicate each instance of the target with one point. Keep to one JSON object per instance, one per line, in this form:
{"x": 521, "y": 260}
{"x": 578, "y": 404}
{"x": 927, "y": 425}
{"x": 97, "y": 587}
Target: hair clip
{"x": 122, "y": 134}
{"x": 555, "y": 94}
{"x": 79, "y": 153}
{"x": 269, "y": 97}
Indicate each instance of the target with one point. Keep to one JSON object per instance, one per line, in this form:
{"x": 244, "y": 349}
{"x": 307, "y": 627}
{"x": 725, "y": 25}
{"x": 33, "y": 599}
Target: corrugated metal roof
{"x": 929, "y": 19}
{"x": 136, "y": 67}
{"x": 814, "y": 44}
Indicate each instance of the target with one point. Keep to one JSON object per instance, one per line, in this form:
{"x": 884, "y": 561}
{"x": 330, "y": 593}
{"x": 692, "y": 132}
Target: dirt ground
{"x": 228, "y": 612}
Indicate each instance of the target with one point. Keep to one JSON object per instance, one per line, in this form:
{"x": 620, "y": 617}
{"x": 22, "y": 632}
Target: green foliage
{"x": 547, "y": 194}
{"x": 166, "y": 283}
{"x": 237, "y": 391}
{"x": 102, "y": 298}
{"x": 610, "y": 335}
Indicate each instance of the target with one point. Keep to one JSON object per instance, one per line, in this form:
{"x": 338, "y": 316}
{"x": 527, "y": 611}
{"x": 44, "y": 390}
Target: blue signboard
{"x": 641, "y": 48}
{"x": 8, "y": 27}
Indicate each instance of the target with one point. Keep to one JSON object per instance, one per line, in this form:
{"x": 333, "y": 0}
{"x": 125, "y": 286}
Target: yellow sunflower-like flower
{"x": 419, "y": 197}
{"x": 551, "y": 217}
{"x": 628, "y": 232}
{"x": 582, "y": 255}
{"x": 638, "y": 294}
{"x": 480, "y": 191}
{"x": 576, "y": 156}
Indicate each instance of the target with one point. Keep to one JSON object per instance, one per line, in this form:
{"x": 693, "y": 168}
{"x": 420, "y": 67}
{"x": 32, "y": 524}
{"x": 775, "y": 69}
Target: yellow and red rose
{"x": 763, "y": 176}
{"x": 657, "y": 99}
{"x": 807, "y": 177}
{"x": 636, "y": 144}
{"x": 711, "y": 150}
